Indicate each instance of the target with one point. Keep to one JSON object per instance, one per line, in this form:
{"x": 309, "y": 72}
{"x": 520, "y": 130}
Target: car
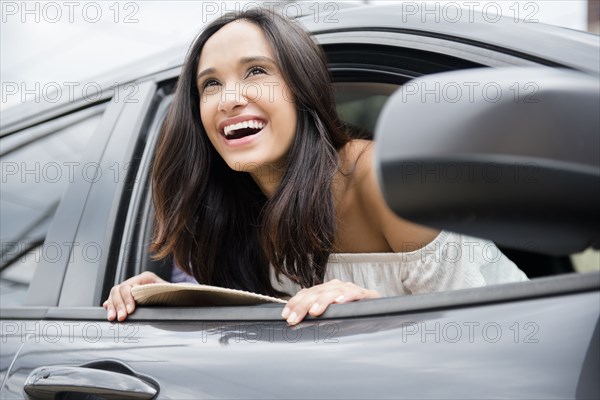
{"x": 77, "y": 219}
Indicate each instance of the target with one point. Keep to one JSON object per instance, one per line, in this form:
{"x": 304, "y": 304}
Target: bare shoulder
{"x": 359, "y": 154}
{"x": 356, "y": 159}
{"x": 356, "y": 164}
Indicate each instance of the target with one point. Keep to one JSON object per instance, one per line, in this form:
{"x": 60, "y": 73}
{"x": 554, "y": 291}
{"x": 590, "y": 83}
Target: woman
{"x": 256, "y": 183}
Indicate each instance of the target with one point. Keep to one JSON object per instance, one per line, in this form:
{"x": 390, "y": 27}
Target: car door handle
{"x": 45, "y": 382}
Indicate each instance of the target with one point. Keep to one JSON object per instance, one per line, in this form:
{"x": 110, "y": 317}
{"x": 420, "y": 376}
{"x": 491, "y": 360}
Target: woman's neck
{"x": 268, "y": 178}
{"x": 266, "y": 186}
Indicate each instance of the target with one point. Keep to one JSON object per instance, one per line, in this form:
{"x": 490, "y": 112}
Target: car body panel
{"x": 444, "y": 353}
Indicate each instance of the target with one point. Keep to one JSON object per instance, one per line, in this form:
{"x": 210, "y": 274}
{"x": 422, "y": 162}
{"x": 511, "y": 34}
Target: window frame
{"x": 542, "y": 287}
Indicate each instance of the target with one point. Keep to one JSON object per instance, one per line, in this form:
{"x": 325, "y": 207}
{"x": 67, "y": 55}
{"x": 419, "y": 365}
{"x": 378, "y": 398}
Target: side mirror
{"x": 511, "y": 155}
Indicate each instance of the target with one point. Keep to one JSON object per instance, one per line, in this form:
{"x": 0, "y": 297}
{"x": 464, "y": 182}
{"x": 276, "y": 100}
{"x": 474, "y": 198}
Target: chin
{"x": 246, "y": 165}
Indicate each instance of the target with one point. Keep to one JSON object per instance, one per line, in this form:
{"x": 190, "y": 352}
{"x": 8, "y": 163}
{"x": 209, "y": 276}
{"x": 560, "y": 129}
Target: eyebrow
{"x": 243, "y": 61}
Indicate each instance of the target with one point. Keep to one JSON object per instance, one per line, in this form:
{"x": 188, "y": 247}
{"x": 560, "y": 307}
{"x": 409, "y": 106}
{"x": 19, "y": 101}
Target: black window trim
{"x": 555, "y": 286}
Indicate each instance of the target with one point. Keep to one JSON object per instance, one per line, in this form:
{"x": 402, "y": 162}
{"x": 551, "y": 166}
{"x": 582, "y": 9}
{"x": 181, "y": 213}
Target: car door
{"x": 498, "y": 341}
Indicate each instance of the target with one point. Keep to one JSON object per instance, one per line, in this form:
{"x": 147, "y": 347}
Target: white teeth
{"x": 254, "y": 124}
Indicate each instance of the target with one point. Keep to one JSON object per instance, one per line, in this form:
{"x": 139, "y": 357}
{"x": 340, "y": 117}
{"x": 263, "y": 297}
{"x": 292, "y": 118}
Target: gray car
{"x": 520, "y": 169}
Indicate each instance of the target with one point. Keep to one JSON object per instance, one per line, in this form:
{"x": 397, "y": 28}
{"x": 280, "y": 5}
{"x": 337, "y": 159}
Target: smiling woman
{"x": 258, "y": 186}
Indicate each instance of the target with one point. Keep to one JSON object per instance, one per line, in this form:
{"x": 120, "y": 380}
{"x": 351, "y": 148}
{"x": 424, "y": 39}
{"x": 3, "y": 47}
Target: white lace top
{"x": 450, "y": 261}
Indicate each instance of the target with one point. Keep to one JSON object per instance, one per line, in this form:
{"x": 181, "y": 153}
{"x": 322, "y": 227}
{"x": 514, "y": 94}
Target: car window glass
{"x": 37, "y": 165}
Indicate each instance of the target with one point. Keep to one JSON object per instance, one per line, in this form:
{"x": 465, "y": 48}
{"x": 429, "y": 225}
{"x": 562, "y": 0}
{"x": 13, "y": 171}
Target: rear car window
{"x": 37, "y": 165}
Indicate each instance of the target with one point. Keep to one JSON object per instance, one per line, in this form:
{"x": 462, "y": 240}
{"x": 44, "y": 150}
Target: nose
{"x": 232, "y": 97}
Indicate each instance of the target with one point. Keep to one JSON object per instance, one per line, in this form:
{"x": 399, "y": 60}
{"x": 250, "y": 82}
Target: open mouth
{"x": 243, "y": 129}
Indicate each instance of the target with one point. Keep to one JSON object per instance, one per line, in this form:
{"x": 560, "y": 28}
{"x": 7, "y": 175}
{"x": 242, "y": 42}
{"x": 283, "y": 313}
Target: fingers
{"x": 120, "y": 302}
{"x": 315, "y": 300}
{"x": 145, "y": 278}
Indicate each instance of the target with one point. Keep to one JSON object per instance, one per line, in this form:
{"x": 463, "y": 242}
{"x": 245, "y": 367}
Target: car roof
{"x": 535, "y": 41}
{"x": 571, "y": 48}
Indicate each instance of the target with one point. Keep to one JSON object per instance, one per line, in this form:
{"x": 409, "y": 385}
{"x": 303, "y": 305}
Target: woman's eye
{"x": 208, "y": 83}
{"x": 256, "y": 71}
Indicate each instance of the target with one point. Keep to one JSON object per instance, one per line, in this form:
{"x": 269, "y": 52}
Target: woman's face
{"x": 246, "y": 107}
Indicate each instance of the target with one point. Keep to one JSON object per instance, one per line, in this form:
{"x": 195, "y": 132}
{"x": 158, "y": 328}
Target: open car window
{"x": 359, "y": 105}
{"x": 361, "y": 89}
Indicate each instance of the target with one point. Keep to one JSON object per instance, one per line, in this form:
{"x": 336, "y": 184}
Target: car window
{"x": 359, "y": 104}
{"x": 359, "y": 100}
{"x": 37, "y": 165}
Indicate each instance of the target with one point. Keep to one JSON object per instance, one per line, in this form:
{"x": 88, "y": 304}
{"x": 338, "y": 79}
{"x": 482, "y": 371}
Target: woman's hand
{"x": 316, "y": 299}
{"x": 120, "y": 302}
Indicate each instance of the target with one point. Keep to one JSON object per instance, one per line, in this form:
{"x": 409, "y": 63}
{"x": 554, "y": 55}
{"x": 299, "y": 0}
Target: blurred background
{"x": 54, "y": 42}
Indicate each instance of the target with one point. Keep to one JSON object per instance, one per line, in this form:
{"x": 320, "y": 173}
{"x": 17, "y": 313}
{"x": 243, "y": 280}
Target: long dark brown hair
{"x": 216, "y": 222}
